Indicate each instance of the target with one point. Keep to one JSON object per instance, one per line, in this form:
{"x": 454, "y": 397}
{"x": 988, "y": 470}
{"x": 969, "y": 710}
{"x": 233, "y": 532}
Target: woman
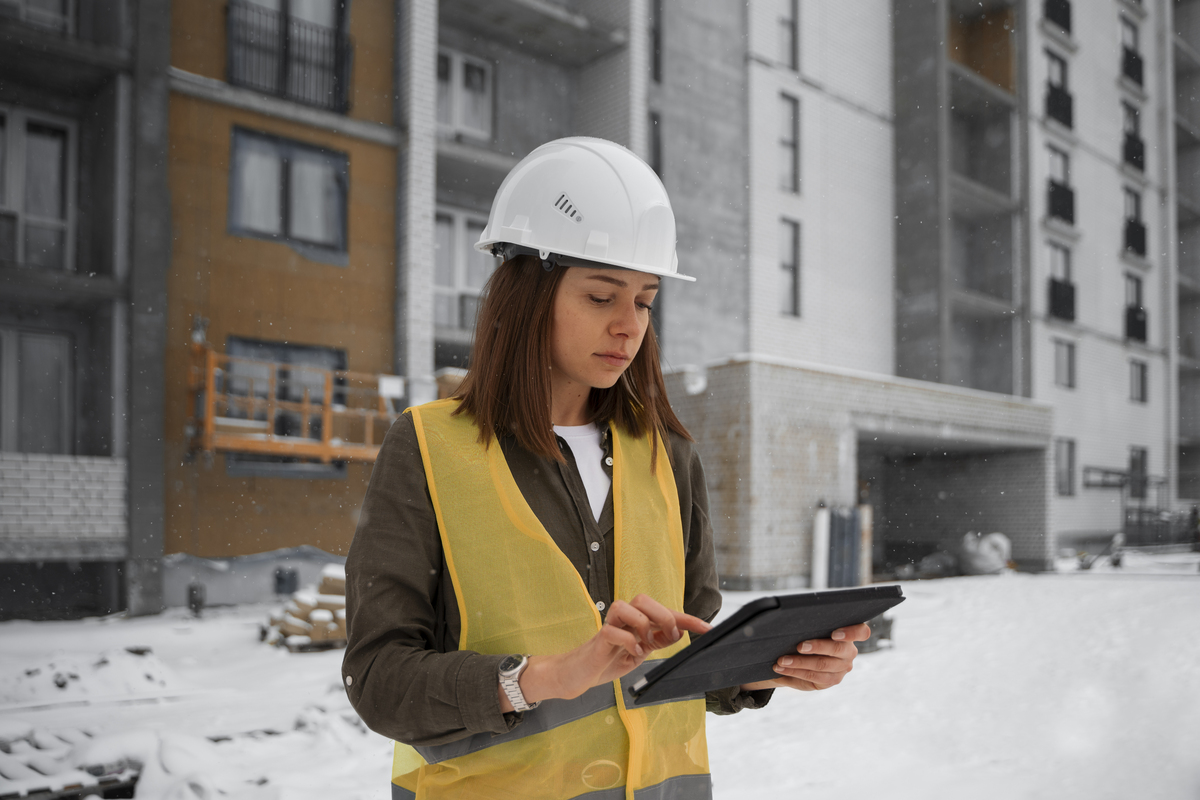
{"x": 526, "y": 545}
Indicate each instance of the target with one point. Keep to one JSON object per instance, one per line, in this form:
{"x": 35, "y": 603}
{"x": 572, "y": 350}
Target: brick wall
{"x": 62, "y": 507}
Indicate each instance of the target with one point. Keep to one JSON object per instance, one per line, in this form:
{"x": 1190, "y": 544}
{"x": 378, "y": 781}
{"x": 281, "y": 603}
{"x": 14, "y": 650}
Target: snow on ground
{"x": 1080, "y": 685}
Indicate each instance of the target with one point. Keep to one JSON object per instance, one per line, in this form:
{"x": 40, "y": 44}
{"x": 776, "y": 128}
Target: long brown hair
{"x": 507, "y": 387}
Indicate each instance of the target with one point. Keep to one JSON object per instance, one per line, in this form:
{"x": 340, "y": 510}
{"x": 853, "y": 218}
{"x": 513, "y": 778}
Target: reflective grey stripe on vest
{"x": 547, "y": 716}
{"x": 681, "y": 787}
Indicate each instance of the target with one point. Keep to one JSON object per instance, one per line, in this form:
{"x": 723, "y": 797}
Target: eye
{"x": 599, "y": 300}
{"x": 646, "y": 306}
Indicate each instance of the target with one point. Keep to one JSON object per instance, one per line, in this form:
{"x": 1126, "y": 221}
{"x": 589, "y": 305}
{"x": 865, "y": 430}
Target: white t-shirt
{"x": 584, "y": 441}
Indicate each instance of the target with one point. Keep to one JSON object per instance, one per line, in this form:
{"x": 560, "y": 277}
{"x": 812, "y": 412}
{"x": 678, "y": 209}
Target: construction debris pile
{"x": 312, "y": 620}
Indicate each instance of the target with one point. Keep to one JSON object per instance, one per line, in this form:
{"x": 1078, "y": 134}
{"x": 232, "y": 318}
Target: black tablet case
{"x": 745, "y": 647}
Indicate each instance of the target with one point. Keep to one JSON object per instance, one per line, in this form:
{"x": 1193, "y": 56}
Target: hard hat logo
{"x": 564, "y": 204}
{"x": 629, "y": 223}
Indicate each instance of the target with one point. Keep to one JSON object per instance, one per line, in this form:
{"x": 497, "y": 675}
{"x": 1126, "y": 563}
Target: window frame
{"x": 788, "y": 24}
{"x": 1064, "y": 364}
{"x": 1139, "y": 457}
{"x": 1133, "y": 200}
{"x": 791, "y": 306}
{"x": 460, "y": 218}
{"x": 791, "y": 183}
{"x": 1064, "y": 466}
{"x": 1134, "y": 291}
{"x": 13, "y": 153}
{"x": 244, "y": 465}
{"x": 10, "y": 432}
{"x": 456, "y": 126}
{"x": 1139, "y": 380}
{"x": 1054, "y": 60}
{"x": 30, "y": 16}
{"x": 1131, "y": 119}
{"x": 1130, "y": 35}
{"x": 284, "y": 147}
{"x": 1058, "y": 156}
{"x": 1053, "y": 248}
{"x": 656, "y": 37}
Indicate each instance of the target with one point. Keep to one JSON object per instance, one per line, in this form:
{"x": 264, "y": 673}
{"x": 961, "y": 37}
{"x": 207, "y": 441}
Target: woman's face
{"x": 600, "y": 317}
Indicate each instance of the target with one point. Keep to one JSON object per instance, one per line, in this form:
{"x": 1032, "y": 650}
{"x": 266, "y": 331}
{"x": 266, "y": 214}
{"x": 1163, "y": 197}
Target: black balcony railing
{"x": 288, "y": 57}
{"x": 1058, "y": 12}
{"x": 1135, "y": 323}
{"x": 1131, "y": 65}
{"x": 1060, "y": 105}
{"x": 1135, "y": 236}
{"x": 1062, "y": 202}
{"x": 1134, "y": 151}
{"x": 1062, "y": 299}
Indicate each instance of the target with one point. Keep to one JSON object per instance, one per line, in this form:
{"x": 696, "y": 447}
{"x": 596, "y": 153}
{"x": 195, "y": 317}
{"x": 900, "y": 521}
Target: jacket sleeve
{"x": 398, "y": 681}
{"x": 702, "y": 590}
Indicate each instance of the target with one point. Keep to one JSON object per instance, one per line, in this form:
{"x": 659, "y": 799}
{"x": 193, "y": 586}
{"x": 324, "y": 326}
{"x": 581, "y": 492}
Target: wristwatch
{"x": 510, "y": 681}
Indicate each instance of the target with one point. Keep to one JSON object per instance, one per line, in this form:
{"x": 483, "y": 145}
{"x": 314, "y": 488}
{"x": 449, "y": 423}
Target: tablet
{"x": 745, "y": 647}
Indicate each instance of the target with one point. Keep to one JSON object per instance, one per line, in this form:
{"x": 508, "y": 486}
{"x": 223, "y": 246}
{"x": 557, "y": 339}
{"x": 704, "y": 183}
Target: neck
{"x": 568, "y": 402}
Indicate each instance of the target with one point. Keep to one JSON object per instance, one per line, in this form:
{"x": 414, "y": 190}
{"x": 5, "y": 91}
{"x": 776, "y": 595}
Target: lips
{"x": 614, "y": 359}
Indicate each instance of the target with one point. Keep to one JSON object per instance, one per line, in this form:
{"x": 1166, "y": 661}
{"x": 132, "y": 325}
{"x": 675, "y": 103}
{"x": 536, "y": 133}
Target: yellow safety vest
{"x": 518, "y": 593}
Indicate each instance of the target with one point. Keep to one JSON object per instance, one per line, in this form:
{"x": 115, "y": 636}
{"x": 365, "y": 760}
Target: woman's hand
{"x": 631, "y": 631}
{"x": 821, "y": 663}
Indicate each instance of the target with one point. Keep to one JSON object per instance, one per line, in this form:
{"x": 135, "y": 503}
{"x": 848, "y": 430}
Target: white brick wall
{"x": 1099, "y": 414}
{"x": 62, "y": 498}
{"x": 846, "y": 198}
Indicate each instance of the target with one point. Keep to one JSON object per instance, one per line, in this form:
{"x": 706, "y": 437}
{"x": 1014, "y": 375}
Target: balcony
{"x": 1135, "y": 323}
{"x": 1062, "y": 300}
{"x": 1058, "y": 12}
{"x": 1135, "y": 236}
{"x": 1131, "y": 65}
{"x": 1062, "y": 202}
{"x": 1134, "y": 151}
{"x": 1060, "y": 105}
{"x": 288, "y": 57}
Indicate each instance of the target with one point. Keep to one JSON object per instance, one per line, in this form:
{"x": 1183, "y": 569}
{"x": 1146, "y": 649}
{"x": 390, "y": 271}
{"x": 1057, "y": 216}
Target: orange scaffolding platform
{"x": 244, "y": 405}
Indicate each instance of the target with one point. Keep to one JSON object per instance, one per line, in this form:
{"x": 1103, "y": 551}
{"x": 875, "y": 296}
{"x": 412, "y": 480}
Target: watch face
{"x": 510, "y": 663}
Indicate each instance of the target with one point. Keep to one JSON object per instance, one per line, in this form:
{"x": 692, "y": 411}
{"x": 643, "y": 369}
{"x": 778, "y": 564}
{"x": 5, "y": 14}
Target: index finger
{"x": 852, "y": 633}
{"x": 662, "y": 617}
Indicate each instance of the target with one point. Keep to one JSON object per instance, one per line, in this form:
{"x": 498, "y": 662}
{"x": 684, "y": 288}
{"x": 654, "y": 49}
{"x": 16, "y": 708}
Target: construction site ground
{"x": 1068, "y": 685}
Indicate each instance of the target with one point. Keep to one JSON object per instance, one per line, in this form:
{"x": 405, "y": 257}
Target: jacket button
{"x": 595, "y": 546}
{"x": 349, "y": 680}
{"x": 600, "y": 605}
{"x": 608, "y": 461}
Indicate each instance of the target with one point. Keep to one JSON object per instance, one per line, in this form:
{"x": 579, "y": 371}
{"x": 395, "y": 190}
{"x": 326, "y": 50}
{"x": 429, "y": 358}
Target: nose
{"x": 627, "y": 322}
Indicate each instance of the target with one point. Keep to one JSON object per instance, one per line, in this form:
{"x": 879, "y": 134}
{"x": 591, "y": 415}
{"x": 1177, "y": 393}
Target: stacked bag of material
{"x": 313, "y": 620}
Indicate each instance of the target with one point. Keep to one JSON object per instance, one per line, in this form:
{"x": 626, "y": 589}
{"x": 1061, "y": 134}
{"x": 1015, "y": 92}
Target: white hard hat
{"x": 584, "y": 199}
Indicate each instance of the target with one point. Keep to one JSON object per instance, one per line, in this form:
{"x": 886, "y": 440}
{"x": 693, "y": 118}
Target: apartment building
{"x": 83, "y": 241}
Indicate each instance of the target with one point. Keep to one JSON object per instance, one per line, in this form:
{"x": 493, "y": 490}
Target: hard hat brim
{"x": 575, "y": 260}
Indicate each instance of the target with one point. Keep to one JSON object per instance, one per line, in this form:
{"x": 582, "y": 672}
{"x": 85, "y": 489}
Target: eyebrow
{"x": 621, "y": 283}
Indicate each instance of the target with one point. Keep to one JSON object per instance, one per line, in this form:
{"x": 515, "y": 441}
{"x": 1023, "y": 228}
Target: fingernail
{"x": 806, "y": 647}
{"x": 675, "y": 634}
{"x": 778, "y": 668}
{"x": 839, "y": 635}
{"x": 639, "y": 650}
{"x": 787, "y": 662}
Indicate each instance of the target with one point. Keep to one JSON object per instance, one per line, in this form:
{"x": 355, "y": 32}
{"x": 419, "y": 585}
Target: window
{"x": 1064, "y": 363}
{"x": 1133, "y": 204}
{"x": 789, "y": 268}
{"x": 36, "y": 190}
{"x": 296, "y": 49}
{"x": 1133, "y": 291}
{"x": 1060, "y": 262}
{"x": 1064, "y": 467}
{"x": 1136, "y": 321}
{"x": 1130, "y": 117}
{"x": 464, "y": 95}
{"x": 789, "y": 39}
{"x": 789, "y": 144}
{"x": 1129, "y": 34}
{"x": 1060, "y": 166}
{"x": 656, "y": 21}
{"x": 1056, "y": 70}
{"x": 656, "y": 154}
{"x": 1138, "y": 463}
{"x": 288, "y": 191}
{"x": 460, "y": 271}
{"x": 1138, "y": 383}
{"x": 55, "y": 15}
{"x": 36, "y": 392}
{"x": 1058, "y": 12}
{"x": 307, "y": 368}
